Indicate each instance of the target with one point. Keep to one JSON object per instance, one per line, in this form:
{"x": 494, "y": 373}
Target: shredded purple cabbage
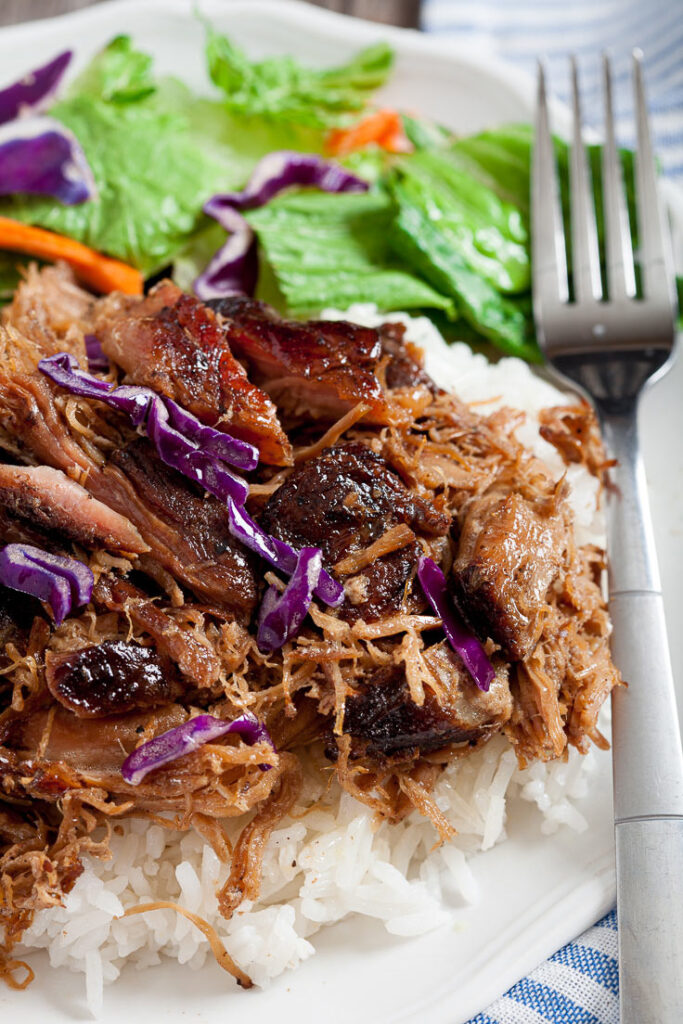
{"x": 237, "y": 453}
{"x": 62, "y": 582}
{"x": 97, "y": 361}
{"x": 474, "y": 657}
{"x": 198, "y": 452}
{"x": 282, "y": 169}
{"x": 39, "y": 156}
{"x": 34, "y": 90}
{"x": 281, "y": 615}
{"x": 234, "y": 268}
{"x": 185, "y": 738}
{"x": 279, "y": 554}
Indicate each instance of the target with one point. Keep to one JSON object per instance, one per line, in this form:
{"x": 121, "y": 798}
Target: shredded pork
{"x": 371, "y": 691}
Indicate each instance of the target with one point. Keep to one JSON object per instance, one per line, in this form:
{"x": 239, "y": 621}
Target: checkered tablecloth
{"x": 580, "y": 983}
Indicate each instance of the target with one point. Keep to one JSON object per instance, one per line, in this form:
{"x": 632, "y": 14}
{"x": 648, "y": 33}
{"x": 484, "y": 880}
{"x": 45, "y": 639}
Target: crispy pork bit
{"x": 384, "y": 721}
{"x": 319, "y": 369}
{"x": 404, "y": 366}
{"x": 510, "y": 551}
{"x": 172, "y": 343}
{"x": 574, "y": 431}
{"x": 191, "y": 652}
{"x": 343, "y": 501}
{"x": 188, "y": 534}
{"x": 109, "y": 678}
{"x": 49, "y": 500}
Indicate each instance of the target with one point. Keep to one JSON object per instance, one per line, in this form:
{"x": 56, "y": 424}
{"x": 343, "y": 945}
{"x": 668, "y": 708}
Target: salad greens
{"x": 280, "y": 88}
{"x": 332, "y": 250}
{"x": 157, "y": 153}
{"x": 444, "y": 229}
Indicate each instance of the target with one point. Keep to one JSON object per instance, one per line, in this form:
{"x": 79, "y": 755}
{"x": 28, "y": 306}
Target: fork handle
{"x": 647, "y": 756}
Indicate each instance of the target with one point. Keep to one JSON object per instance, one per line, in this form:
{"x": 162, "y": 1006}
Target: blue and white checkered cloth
{"x": 521, "y": 31}
{"x": 580, "y": 983}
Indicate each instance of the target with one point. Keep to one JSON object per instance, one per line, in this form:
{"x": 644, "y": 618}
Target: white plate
{"x": 537, "y": 892}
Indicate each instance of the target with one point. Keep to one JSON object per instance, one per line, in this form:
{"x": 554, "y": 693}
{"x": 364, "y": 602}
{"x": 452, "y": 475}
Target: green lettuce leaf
{"x": 332, "y": 250}
{"x": 280, "y": 88}
{"x": 419, "y": 239}
{"x": 118, "y": 74}
{"x": 487, "y": 232}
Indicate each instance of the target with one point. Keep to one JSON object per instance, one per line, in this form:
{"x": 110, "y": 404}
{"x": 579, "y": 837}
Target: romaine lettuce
{"x": 332, "y": 250}
{"x": 280, "y": 88}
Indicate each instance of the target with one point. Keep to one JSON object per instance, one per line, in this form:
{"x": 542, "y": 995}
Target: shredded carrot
{"x": 100, "y": 272}
{"x": 383, "y": 127}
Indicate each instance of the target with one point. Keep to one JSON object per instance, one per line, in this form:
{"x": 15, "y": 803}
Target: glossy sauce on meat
{"x": 188, "y": 533}
{"x": 321, "y": 368}
{"x": 109, "y": 678}
{"x": 173, "y": 344}
{"x": 509, "y": 553}
{"x": 344, "y": 500}
{"x": 384, "y": 720}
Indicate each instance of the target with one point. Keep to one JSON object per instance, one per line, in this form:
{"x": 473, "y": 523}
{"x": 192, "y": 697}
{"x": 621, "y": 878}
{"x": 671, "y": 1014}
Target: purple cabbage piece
{"x": 62, "y": 582}
{"x": 234, "y": 268}
{"x": 39, "y": 156}
{"x": 182, "y": 454}
{"x": 282, "y": 169}
{"x": 230, "y": 449}
{"x": 182, "y": 442}
{"x": 474, "y": 657}
{"x": 185, "y": 738}
{"x": 281, "y": 615}
{"x": 279, "y": 554}
{"x": 97, "y": 361}
{"x": 34, "y": 90}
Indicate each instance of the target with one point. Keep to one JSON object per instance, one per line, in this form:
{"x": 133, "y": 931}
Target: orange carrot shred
{"x": 101, "y": 273}
{"x": 383, "y": 127}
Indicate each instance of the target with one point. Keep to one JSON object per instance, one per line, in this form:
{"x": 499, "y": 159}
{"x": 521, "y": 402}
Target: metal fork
{"x": 611, "y": 346}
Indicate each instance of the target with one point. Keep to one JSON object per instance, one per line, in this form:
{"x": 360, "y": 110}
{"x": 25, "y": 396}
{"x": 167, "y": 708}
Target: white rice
{"x": 333, "y": 861}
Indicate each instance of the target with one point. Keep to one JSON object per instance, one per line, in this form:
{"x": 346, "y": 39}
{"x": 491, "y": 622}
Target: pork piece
{"x": 510, "y": 551}
{"x": 404, "y": 366}
{"x": 46, "y": 754}
{"x": 385, "y": 722}
{"x": 172, "y": 343}
{"x": 109, "y": 678}
{"x": 321, "y": 368}
{"x": 52, "y": 310}
{"x": 192, "y": 653}
{"x": 187, "y": 533}
{"x": 49, "y": 500}
{"x": 14, "y": 828}
{"x": 344, "y": 500}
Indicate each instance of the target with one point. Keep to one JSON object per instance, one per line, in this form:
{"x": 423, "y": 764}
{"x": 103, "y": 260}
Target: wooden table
{"x": 391, "y": 12}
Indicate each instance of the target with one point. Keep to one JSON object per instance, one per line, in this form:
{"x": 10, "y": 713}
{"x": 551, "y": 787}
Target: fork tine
{"x": 654, "y": 241}
{"x": 549, "y": 261}
{"x": 585, "y": 254}
{"x": 621, "y": 280}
